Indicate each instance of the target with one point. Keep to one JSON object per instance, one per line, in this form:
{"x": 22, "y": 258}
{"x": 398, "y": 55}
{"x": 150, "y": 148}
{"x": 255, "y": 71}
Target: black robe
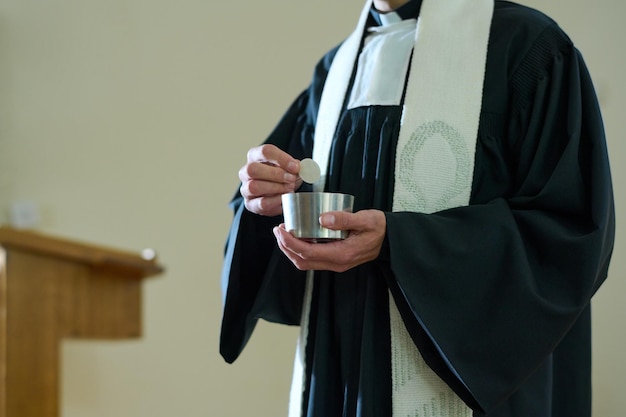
{"x": 496, "y": 294}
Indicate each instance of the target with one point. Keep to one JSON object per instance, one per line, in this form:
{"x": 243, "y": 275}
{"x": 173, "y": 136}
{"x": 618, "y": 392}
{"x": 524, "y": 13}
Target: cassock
{"x": 496, "y": 294}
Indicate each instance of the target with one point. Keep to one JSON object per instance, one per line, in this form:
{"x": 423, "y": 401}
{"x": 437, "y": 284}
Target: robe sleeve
{"x": 488, "y": 291}
{"x": 257, "y": 281}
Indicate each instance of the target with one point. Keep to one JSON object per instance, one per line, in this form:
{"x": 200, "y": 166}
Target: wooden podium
{"x": 51, "y": 289}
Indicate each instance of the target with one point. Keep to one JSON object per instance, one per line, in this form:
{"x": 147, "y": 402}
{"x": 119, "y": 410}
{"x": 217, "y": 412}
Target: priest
{"x": 470, "y": 135}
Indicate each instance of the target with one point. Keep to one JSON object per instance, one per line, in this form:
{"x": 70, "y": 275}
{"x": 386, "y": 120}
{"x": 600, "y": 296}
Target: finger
{"x": 364, "y": 220}
{"x": 267, "y": 206}
{"x": 266, "y": 172}
{"x": 337, "y": 220}
{"x": 254, "y": 189}
{"x": 308, "y": 256}
{"x": 295, "y": 259}
{"x": 294, "y": 246}
{"x": 270, "y": 154}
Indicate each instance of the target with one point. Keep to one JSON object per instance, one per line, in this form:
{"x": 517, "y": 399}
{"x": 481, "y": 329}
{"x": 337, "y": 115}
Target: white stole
{"x": 434, "y": 164}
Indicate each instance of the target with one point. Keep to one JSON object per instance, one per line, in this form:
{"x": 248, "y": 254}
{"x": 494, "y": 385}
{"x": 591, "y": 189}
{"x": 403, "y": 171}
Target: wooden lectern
{"x": 51, "y": 289}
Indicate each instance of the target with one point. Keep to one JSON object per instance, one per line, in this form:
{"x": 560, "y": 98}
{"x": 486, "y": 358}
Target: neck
{"x": 385, "y": 6}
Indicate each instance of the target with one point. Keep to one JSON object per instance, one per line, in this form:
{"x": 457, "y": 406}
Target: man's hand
{"x": 367, "y": 233}
{"x": 268, "y": 173}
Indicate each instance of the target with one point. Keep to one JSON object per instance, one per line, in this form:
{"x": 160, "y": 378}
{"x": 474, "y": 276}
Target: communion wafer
{"x": 309, "y": 171}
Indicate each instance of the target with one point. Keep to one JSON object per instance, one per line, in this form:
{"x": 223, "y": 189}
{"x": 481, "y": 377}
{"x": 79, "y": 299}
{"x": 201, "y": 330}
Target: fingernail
{"x": 329, "y": 219}
{"x": 290, "y": 177}
{"x": 292, "y": 166}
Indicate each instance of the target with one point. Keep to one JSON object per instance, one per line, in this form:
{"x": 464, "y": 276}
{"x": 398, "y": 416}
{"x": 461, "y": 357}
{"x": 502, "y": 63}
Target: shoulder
{"x": 320, "y": 72}
{"x": 323, "y": 65}
{"x": 525, "y": 47}
{"x": 517, "y": 14}
{"x": 519, "y": 31}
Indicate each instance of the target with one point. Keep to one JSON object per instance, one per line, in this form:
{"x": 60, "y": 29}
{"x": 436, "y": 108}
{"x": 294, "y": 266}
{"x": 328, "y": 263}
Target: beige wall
{"x": 125, "y": 122}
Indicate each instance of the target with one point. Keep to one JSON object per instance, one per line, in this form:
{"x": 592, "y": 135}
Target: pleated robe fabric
{"x": 496, "y": 295}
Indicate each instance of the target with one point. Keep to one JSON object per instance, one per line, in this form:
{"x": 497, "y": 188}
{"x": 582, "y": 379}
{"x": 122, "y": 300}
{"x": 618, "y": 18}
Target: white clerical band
{"x": 434, "y": 163}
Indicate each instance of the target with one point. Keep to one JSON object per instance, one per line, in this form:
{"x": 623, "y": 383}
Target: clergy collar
{"x": 409, "y": 10}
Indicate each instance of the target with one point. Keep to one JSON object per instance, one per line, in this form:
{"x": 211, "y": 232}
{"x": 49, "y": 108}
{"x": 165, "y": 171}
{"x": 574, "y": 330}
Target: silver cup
{"x": 301, "y": 212}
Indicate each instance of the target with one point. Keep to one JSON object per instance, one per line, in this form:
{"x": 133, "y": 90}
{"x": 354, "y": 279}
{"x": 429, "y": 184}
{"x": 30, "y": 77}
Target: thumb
{"x": 336, "y": 220}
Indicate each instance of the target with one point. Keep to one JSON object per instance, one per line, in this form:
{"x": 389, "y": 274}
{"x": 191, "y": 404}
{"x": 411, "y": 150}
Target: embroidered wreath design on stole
{"x": 432, "y": 179}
